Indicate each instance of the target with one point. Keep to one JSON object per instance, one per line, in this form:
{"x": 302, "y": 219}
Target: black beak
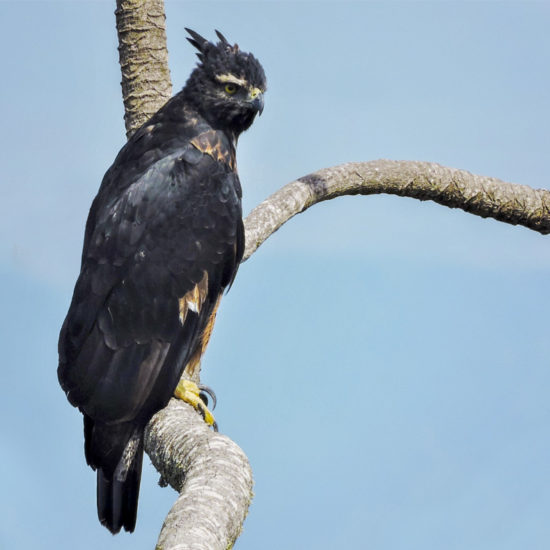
{"x": 258, "y": 103}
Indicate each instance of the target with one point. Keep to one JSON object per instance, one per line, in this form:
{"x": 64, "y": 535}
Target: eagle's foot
{"x": 191, "y": 393}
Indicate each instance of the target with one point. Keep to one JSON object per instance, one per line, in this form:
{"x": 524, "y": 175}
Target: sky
{"x": 383, "y": 362}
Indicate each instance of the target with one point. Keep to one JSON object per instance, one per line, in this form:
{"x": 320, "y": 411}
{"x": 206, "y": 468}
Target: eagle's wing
{"x": 156, "y": 260}
{"x": 163, "y": 239}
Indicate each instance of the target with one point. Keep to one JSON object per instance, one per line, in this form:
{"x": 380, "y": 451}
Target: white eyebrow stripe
{"x": 232, "y": 78}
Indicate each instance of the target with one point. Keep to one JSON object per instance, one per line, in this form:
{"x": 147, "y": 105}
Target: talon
{"x": 204, "y": 398}
{"x": 206, "y": 391}
{"x": 190, "y": 393}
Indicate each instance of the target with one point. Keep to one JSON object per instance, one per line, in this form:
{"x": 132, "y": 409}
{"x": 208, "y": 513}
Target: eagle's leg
{"x": 190, "y": 393}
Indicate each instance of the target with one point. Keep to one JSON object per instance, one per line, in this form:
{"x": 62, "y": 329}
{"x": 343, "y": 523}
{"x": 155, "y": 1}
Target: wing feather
{"x": 149, "y": 248}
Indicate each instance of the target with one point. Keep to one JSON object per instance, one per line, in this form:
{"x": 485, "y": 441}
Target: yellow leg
{"x": 189, "y": 392}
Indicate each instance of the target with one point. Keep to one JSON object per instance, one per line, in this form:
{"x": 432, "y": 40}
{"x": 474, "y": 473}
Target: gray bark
{"x": 483, "y": 196}
{"x": 146, "y": 84}
{"x": 211, "y": 473}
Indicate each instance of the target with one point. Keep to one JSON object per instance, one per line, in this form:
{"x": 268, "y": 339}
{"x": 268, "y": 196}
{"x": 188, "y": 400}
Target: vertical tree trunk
{"x": 210, "y": 472}
{"x": 146, "y": 84}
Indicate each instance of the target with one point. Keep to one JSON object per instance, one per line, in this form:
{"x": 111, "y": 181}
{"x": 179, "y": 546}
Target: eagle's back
{"x": 167, "y": 216}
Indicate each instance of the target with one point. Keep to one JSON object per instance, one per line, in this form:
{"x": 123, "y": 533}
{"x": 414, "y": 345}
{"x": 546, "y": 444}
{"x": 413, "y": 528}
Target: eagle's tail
{"x": 115, "y": 451}
{"x": 117, "y": 495}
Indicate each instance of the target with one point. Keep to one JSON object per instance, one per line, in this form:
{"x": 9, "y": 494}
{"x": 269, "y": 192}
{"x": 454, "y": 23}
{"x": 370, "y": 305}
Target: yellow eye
{"x": 230, "y": 88}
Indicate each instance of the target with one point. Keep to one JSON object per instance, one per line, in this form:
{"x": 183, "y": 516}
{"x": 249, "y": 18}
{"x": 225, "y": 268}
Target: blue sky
{"x": 383, "y": 362}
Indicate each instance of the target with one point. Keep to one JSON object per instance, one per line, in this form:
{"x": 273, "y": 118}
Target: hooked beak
{"x": 258, "y": 103}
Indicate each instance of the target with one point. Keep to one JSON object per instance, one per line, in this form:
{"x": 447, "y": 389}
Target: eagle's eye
{"x": 230, "y": 88}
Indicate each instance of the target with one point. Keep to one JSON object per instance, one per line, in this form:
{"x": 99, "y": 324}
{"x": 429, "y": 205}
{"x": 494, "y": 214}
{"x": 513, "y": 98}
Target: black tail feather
{"x": 117, "y": 501}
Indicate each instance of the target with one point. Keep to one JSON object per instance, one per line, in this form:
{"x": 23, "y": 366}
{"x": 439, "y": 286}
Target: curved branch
{"x": 483, "y": 196}
{"x": 211, "y": 473}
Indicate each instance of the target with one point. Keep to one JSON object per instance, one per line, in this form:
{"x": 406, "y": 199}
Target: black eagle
{"x": 163, "y": 239}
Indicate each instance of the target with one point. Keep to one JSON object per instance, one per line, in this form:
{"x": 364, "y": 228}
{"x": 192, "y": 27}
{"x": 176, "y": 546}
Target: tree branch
{"x": 210, "y": 471}
{"x": 483, "y": 196}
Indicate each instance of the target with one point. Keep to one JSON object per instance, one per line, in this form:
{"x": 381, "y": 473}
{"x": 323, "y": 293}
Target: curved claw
{"x": 190, "y": 393}
{"x": 208, "y": 391}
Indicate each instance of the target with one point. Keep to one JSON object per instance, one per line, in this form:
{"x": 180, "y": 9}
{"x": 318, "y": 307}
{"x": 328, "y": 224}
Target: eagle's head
{"x": 227, "y": 86}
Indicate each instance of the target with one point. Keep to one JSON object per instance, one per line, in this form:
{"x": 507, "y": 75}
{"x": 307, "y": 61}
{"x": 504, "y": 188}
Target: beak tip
{"x": 258, "y": 104}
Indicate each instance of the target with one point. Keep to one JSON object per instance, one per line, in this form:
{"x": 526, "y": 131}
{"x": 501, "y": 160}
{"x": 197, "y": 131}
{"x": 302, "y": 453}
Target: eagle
{"x": 163, "y": 240}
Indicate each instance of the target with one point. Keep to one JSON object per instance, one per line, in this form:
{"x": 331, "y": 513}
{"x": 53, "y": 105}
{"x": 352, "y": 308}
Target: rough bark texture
{"x": 210, "y": 471}
{"x": 483, "y": 196}
{"x": 146, "y": 84}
